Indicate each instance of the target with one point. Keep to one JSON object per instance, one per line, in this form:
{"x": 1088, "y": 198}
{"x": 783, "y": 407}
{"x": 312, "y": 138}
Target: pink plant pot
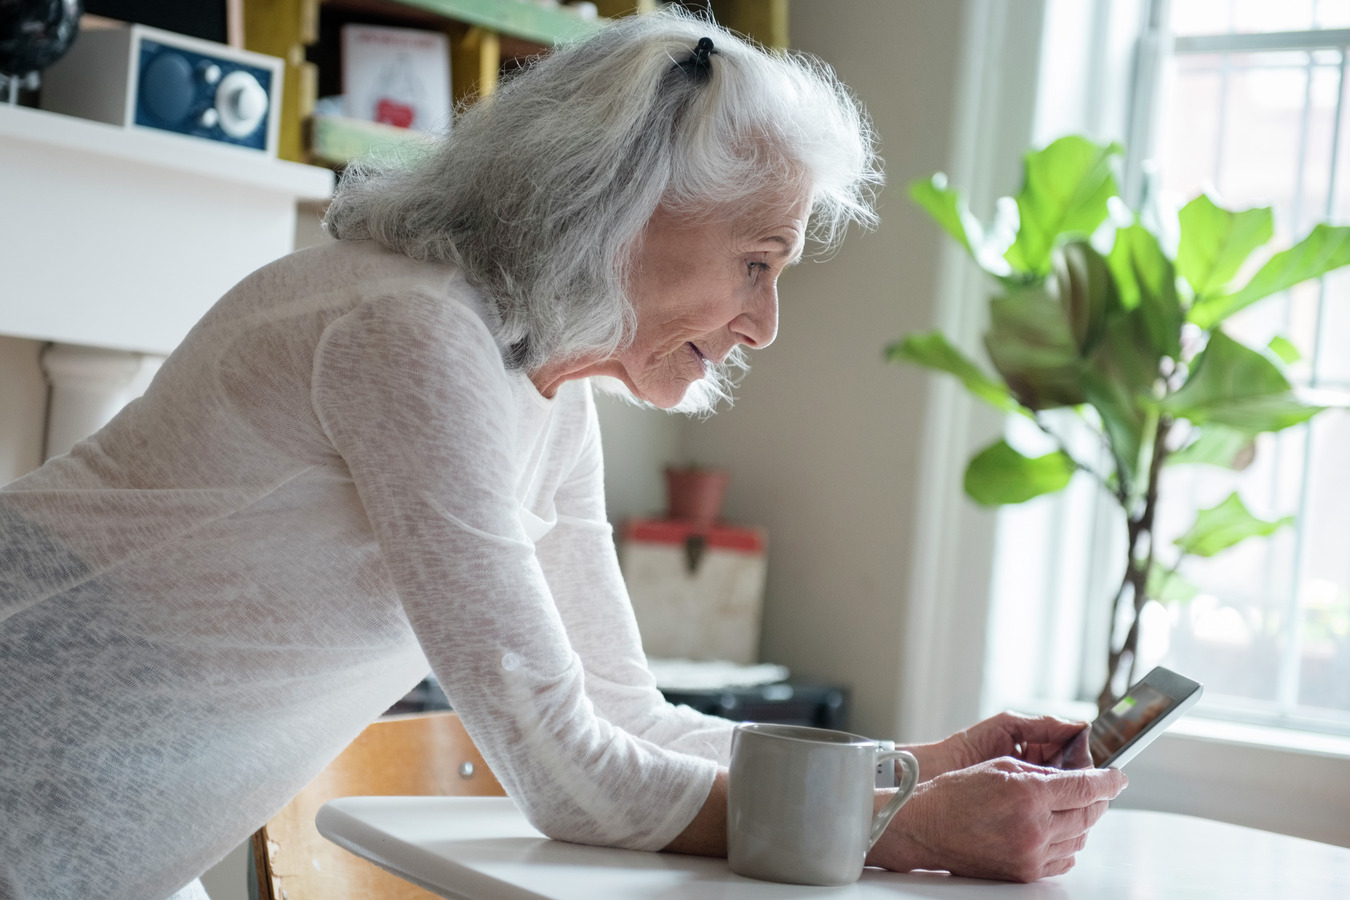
{"x": 695, "y": 494}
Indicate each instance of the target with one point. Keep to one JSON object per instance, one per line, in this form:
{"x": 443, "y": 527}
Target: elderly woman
{"x": 382, "y": 453}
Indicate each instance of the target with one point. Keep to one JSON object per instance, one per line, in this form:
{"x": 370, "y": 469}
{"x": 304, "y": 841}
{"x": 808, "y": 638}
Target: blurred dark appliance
{"x": 139, "y": 76}
{"x": 784, "y": 703}
{"x": 211, "y": 20}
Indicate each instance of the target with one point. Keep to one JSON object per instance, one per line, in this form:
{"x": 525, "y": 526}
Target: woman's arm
{"x": 706, "y": 835}
{"x": 412, "y": 393}
{"x": 582, "y": 568}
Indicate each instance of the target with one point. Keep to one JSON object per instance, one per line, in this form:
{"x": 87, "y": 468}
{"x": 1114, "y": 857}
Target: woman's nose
{"x": 758, "y": 325}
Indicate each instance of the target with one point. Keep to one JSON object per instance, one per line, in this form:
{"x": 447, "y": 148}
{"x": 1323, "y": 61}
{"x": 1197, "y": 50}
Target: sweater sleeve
{"x": 582, "y": 568}
{"x": 412, "y": 393}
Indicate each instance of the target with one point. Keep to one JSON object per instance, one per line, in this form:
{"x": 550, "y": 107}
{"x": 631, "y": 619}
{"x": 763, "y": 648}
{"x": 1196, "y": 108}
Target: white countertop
{"x": 483, "y": 849}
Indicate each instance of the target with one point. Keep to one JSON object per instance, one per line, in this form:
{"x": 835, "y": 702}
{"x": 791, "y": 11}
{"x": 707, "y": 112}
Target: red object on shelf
{"x": 695, "y": 493}
{"x": 678, "y": 531}
{"x": 697, "y": 588}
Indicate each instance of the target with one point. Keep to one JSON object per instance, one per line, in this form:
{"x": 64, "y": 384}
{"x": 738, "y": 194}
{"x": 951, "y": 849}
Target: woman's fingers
{"x": 1068, "y": 823}
{"x": 1036, "y": 739}
{"x": 1057, "y": 867}
{"x": 1060, "y": 856}
{"x": 1066, "y": 849}
{"x": 1081, "y": 787}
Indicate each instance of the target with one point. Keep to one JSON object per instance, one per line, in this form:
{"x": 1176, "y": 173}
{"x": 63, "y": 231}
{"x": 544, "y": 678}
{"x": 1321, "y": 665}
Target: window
{"x": 1251, "y": 106}
{"x": 1253, "y": 109}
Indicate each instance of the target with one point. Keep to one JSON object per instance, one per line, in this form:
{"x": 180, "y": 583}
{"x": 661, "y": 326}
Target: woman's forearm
{"x": 706, "y": 835}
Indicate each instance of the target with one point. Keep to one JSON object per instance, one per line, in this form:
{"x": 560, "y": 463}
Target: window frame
{"x": 1291, "y": 782}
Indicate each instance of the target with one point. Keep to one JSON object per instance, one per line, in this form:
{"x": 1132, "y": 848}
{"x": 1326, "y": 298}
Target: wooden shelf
{"x": 485, "y": 36}
{"x": 528, "y": 21}
{"x": 335, "y": 140}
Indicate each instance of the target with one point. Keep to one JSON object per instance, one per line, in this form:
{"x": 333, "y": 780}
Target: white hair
{"x": 541, "y": 192}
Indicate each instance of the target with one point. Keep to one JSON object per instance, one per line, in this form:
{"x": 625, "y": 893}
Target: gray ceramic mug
{"x": 799, "y": 802}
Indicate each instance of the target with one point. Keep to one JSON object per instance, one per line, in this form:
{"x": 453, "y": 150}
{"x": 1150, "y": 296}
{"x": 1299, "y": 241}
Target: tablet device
{"x": 1147, "y": 709}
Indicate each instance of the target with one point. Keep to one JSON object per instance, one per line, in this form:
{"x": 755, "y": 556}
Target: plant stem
{"x": 1117, "y": 492}
{"x": 1140, "y": 529}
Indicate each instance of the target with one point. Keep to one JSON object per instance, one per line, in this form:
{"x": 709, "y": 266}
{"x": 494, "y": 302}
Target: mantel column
{"x": 88, "y": 387}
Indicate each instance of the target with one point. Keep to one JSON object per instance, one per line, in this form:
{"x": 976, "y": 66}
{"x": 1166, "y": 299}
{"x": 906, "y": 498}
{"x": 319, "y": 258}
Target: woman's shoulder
{"x": 334, "y": 278}
{"x": 367, "y": 268}
{"x": 372, "y": 295}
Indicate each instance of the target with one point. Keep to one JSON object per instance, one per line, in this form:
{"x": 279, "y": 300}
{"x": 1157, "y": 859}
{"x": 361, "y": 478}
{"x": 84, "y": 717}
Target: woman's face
{"x": 701, "y": 288}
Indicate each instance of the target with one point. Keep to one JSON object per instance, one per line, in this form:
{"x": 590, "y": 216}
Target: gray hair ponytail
{"x": 541, "y": 192}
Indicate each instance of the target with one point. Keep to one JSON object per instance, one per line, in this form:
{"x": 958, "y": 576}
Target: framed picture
{"x": 396, "y": 76}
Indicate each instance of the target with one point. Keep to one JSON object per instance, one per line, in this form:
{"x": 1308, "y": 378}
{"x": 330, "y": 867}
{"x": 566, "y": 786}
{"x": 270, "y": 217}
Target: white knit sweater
{"x": 331, "y": 483}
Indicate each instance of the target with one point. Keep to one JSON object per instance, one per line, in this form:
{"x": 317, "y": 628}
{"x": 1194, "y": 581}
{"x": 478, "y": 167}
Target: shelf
{"x": 48, "y": 132}
{"x": 338, "y": 140}
{"x": 531, "y": 22}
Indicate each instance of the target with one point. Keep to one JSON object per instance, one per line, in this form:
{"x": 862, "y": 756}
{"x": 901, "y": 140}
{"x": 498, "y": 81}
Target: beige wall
{"x": 824, "y": 441}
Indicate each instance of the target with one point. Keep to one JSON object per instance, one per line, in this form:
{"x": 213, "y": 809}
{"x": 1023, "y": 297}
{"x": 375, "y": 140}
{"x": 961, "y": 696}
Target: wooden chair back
{"x": 424, "y": 754}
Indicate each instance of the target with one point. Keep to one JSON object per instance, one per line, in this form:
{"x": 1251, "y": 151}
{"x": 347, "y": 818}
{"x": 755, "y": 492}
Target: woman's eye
{"x": 757, "y": 266}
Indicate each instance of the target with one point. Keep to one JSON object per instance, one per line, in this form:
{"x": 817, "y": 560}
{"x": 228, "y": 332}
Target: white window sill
{"x": 1197, "y": 726}
{"x": 1292, "y": 782}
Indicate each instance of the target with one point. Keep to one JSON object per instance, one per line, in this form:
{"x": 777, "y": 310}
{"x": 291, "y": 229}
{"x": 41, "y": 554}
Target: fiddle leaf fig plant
{"x": 1091, "y": 315}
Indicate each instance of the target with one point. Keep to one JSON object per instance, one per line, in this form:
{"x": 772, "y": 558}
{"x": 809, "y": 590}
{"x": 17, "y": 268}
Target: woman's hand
{"x": 1005, "y": 818}
{"x": 1043, "y": 740}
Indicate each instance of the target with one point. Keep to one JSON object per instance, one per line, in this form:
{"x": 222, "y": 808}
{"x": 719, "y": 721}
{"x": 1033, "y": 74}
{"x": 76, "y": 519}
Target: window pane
{"x": 1325, "y": 585}
{"x": 1231, "y": 635}
{"x": 1190, "y": 17}
{"x": 1269, "y": 631}
{"x": 1258, "y": 128}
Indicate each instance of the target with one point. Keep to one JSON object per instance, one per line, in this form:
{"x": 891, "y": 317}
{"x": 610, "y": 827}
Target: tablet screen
{"x": 1118, "y": 726}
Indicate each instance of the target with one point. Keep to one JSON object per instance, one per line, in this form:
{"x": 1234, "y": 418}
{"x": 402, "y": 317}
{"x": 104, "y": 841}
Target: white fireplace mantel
{"x": 114, "y": 241}
{"x": 123, "y": 237}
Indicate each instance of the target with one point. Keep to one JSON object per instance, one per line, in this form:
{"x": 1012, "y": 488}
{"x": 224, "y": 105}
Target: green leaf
{"x": 1237, "y": 386}
{"x": 1326, "y": 248}
{"x": 1147, "y": 282}
{"x": 1087, "y": 292}
{"x": 1216, "y": 242}
{"x": 1119, "y": 382}
{"x": 948, "y": 210}
{"x": 1216, "y": 445}
{"x": 1064, "y": 192}
{"x": 1225, "y": 525}
{"x": 1169, "y": 587}
{"x": 999, "y": 474}
{"x": 1030, "y": 343}
{"x": 1286, "y": 351}
{"x": 934, "y": 351}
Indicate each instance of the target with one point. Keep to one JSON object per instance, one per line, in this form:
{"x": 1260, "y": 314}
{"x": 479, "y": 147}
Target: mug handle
{"x": 908, "y": 782}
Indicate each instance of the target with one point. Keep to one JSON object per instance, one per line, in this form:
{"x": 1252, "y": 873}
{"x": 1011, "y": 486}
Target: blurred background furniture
{"x": 786, "y": 702}
{"x": 413, "y": 755}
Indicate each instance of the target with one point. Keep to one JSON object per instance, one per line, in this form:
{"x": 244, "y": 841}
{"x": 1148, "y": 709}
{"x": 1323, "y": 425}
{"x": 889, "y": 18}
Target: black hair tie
{"x": 699, "y": 63}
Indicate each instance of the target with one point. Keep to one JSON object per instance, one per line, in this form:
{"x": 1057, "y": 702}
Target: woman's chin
{"x": 667, "y": 397}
